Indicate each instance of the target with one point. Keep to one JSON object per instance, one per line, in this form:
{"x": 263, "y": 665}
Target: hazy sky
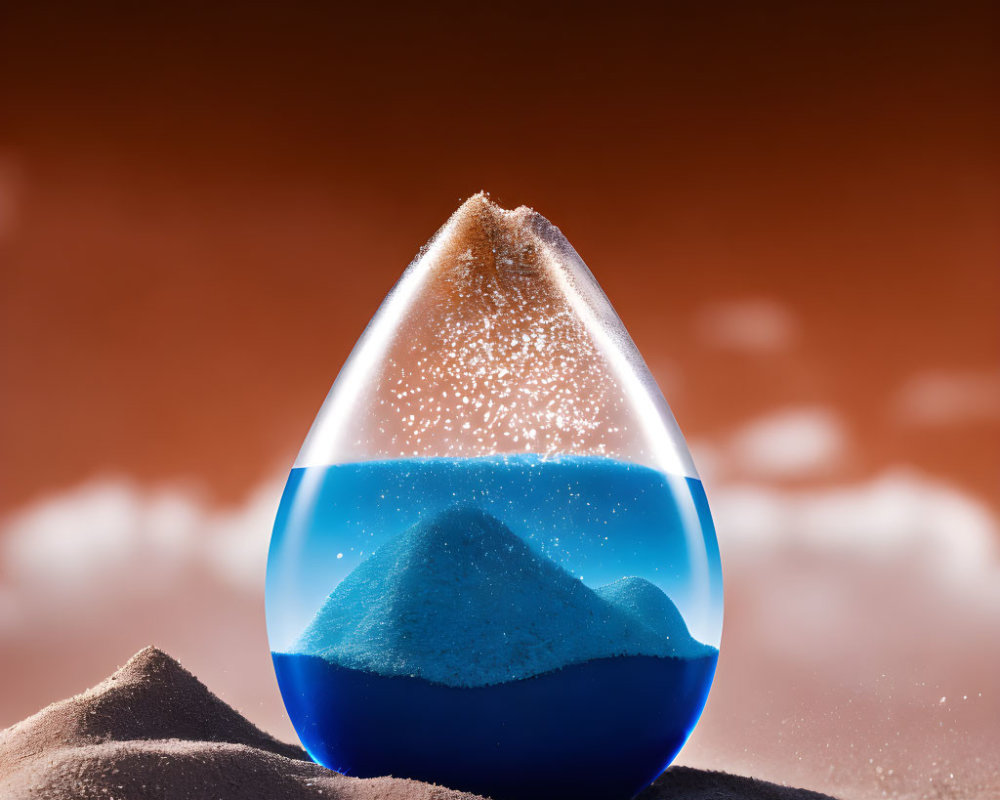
{"x": 793, "y": 207}
{"x": 201, "y": 210}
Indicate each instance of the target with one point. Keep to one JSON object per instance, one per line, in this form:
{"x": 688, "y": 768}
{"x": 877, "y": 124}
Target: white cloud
{"x": 111, "y": 539}
{"x": 754, "y": 325}
{"x": 790, "y": 443}
{"x": 897, "y": 518}
{"x": 98, "y": 528}
{"x": 947, "y": 397}
{"x": 237, "y": 547}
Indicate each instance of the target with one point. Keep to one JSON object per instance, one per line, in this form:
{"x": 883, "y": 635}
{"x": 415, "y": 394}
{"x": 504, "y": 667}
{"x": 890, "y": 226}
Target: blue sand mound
{"x": 592, "y": 731}
{"x": 649, "y": 605}
{"x": 460, "y": 600}
{"x": 457, "y": 654}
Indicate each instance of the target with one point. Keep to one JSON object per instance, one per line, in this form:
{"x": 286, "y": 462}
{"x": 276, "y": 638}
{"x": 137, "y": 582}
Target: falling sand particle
{"x": 495, "y": 351}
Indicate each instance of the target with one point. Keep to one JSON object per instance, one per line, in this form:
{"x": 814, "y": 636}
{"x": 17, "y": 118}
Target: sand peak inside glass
{"x": 494, "y": 566}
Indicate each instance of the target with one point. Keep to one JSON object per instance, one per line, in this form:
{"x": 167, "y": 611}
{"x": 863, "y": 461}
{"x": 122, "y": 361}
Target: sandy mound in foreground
{"x": 153, "y": 730}
{"x": 684, "y": 783}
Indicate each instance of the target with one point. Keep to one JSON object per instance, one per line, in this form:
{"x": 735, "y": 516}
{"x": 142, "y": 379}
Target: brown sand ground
{"x": 153, "y": 730}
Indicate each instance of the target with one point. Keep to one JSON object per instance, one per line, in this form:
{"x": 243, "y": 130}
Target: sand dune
{"x": 153, "y": 730}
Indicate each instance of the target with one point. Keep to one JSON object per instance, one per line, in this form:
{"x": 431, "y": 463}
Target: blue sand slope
{"x": 460, "y": 600}
{"x": 649, "y": 605}
{"x": 600, "y": 730}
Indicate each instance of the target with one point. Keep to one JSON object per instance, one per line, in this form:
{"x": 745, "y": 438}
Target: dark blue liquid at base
{"x": 600, "y": 730}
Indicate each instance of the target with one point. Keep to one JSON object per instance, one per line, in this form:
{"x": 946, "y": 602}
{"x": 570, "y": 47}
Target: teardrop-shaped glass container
{"x": 493, "y": 566}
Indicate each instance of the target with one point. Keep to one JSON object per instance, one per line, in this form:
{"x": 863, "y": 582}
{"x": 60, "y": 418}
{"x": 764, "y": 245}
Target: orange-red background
{"x": 201, "y": 208}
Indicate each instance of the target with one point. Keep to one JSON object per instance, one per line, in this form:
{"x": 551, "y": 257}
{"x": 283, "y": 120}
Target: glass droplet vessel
{"x": 494, "y": 566}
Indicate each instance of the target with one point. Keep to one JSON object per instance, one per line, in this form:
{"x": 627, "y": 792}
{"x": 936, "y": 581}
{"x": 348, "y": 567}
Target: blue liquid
{"x": 512, "y": 626}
